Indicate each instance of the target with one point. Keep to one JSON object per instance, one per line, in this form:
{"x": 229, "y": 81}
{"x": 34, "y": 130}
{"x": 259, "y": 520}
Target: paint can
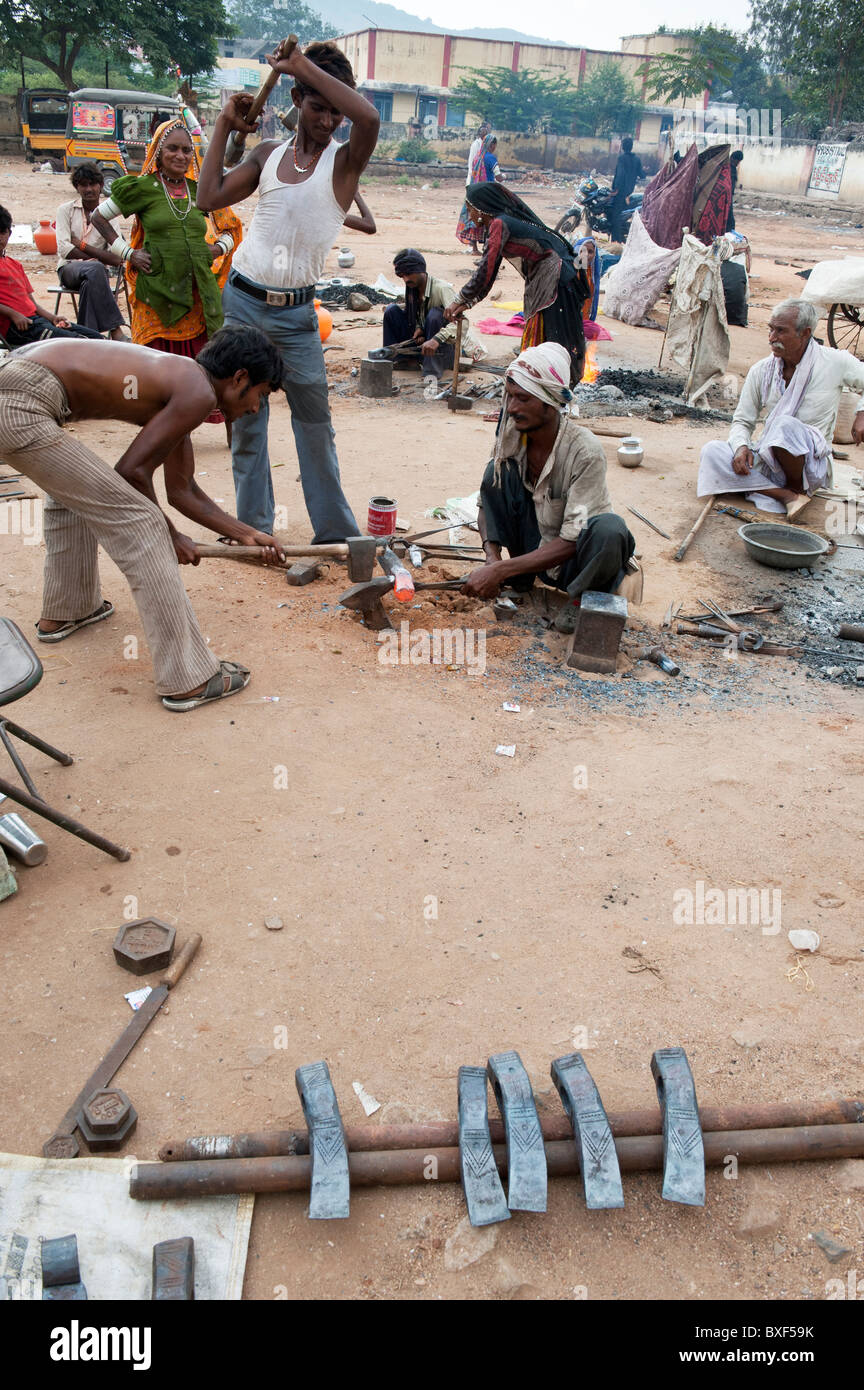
{"x": 382, "y": 517}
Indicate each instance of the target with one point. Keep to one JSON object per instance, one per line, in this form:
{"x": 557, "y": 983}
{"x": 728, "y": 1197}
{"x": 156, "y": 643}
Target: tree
{"x": 55, "y": 33}
{"x": 675, "y": 76}
{"x": 276, "y": 19}
{"x": 519, "y": 101}
{"x": 607, "y": 103}
{"x": 817, "y": 48}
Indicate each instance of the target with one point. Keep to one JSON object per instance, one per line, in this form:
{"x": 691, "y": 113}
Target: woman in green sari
{"x": 177, "y": 258}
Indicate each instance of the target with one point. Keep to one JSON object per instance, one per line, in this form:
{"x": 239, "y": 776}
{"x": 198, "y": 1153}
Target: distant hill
{"x": 352, "y": 15}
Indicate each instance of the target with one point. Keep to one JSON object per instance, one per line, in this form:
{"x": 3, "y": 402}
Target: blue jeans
{"x": 294, "y": 331}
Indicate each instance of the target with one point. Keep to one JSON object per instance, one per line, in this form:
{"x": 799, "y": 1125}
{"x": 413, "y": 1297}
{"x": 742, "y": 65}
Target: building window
{"x": 427, "y": 109}
{"x": 383, "y": 103}
{"x": 455, "y": 115}
{"x": 229, "y": 53}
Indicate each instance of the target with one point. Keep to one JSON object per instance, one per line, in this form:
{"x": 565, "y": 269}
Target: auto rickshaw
{"x": 113, "y": 128}
{"x": 43, "y": 113}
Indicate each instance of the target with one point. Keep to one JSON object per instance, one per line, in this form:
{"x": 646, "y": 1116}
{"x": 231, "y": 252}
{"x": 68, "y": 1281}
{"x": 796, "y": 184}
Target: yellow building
{"x": 412, "y": 76}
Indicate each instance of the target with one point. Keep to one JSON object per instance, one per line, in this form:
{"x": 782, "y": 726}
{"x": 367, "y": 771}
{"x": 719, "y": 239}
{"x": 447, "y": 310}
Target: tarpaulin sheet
{"x": 43, "y": 1198}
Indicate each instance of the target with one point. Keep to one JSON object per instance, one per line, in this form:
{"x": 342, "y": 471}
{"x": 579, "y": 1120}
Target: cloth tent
{"x": 697, "y": 336}
{"x": 636, "y": 283}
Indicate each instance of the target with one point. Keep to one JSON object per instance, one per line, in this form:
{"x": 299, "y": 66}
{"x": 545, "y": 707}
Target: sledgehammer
{"x": 359, "y": 551}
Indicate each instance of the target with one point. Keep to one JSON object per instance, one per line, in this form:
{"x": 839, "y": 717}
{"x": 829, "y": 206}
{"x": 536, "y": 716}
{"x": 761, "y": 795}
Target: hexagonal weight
{"x": 61, "y": 1146}
{"x": 144, "y": 945}
{"x": 106, "y": 1120}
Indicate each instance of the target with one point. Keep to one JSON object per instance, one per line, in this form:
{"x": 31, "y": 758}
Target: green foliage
{"x": 262, "y": 19}
{"x": 415, "y": 152}
{"x": 89, "y": 72}
{"x": 607, "y": 103}
{"x": 406, "y": 181}
{"x": 56, "y": 34}
{"x": 672, "y": 77}
{"x": 518, "y": 101}
{"x": 816, "y": 50}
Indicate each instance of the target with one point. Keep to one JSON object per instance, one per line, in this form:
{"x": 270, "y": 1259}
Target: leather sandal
{"x": 238, "y": 678}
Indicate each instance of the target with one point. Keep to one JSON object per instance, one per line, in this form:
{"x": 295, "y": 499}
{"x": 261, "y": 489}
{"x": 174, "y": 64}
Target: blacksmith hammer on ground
{"x": 359, "y": 551}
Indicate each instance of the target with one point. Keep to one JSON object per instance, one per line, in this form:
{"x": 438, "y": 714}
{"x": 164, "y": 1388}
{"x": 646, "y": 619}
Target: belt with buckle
{"x": 277, "y": 299}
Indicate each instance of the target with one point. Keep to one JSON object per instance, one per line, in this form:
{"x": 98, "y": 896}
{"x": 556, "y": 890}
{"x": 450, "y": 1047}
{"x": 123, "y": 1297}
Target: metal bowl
{"x": 781, "y": 547}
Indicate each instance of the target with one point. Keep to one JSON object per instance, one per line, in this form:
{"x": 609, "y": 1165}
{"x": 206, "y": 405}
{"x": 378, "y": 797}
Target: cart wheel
{"x": 846, "y": 328}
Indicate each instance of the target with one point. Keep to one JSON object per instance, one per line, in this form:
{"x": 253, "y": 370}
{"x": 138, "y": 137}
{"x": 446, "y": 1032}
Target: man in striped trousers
{"x": 90, "y": 504}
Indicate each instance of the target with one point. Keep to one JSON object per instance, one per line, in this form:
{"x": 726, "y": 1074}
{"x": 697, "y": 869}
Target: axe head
{"x": 361, "y": 558}
{"x": 366, "y": 599}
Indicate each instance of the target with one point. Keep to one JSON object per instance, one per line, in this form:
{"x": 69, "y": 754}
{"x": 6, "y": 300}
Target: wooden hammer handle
{"x": 184, "y": 957}
{"x": 254, "y": 552}
{"x": 696, "y": 528}
{"x": 259, "y": 101}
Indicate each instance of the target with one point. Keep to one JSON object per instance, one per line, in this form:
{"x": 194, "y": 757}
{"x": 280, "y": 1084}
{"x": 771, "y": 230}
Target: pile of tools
{"x": 680, "y": 1139}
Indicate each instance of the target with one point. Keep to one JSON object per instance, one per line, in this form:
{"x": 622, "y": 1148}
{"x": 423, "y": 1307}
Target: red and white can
{"x": 382, "y": 517}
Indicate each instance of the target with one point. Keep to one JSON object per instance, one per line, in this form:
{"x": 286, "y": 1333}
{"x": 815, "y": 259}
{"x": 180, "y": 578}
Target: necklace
{"x": 304, "y": 168}
{"x": 180, "y": 216}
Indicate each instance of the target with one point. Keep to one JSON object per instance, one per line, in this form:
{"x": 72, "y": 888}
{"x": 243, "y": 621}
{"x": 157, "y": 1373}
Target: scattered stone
{"x": 359, "y": 302}
{"x": 850, "y": 1175}
{"x": 749, "y": 1035}
{"x": 760, "y": 1218}
{"x": 274, "y": 923}
{"x": 485, "y": 615}
{"x": 256, "y": 1056}
{"x": 468, "y": 1244}
{"x": 831, "y": 1248}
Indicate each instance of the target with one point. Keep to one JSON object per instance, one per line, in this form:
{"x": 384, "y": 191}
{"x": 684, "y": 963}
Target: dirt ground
{"x": 441, "y": 902}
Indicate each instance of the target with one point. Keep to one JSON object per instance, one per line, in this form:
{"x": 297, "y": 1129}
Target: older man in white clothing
{"x": 799, "y": 386}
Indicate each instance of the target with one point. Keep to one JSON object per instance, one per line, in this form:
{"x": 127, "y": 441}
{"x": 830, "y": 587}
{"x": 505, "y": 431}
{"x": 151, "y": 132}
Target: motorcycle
{"x": 592, "y": 210}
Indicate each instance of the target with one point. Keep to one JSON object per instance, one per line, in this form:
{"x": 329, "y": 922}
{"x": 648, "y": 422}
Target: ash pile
{"x": 650, "y": 395}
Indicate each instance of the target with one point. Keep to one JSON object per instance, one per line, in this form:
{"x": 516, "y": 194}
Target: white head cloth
{"x": 543, "y": 372}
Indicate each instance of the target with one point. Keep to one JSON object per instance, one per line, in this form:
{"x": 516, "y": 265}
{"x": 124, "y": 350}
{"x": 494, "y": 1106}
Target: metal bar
{"x": 445, "y": 1134}
{"x": 74, "y": 827}
{"x": 664, "y": 534}
{"x": 642, "y": 1153}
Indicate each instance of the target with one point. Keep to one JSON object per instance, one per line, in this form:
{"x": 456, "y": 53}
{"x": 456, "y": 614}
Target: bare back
{"x": 122, "y": 381}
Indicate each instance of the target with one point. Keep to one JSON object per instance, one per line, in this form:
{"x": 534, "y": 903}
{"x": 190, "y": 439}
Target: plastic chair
{"x": 20, "y": 672}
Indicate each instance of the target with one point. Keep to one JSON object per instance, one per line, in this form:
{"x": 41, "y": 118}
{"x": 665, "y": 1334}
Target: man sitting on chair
{"x": 85, "y": 255}
{"x": 800, "y": 385}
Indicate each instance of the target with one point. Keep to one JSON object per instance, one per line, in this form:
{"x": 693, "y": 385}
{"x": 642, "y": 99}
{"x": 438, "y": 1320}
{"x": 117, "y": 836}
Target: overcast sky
{"x": 588, "y": 25}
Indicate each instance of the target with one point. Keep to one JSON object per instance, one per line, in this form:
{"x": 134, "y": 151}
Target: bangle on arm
{"x": 225, "y": 242}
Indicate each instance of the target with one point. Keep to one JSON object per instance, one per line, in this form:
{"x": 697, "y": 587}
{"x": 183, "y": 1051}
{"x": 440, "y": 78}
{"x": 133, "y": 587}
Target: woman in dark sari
{"x": 555, "y": 286}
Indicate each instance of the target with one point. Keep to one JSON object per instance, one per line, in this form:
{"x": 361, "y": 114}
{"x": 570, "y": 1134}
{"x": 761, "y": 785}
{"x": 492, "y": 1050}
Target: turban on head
{"x": 408, "y": 262}
{"x": 543, "y": 372}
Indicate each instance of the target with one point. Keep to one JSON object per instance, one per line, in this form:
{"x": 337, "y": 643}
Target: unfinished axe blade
{"x": 683, "y": 1149}
{"x": 526, "y": 1157}
{"x": 481, "y": 1183}
{"x": 330, "y": 1193}
{"x": 598, "y": 1159}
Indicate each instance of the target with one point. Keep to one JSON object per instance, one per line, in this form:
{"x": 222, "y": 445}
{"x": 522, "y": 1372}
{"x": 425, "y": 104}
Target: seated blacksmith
{"x": 799, "y": 385}
{"x": 544, "y": 497}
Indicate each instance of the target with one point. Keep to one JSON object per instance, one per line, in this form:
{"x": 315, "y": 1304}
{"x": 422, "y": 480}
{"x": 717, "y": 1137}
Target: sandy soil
{"x": 363, "y": 795}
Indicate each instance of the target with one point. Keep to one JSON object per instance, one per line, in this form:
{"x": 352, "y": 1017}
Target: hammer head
{"x": 361, "y": 558}
{"x": 366, "y": 599}
{"x": 460, "y": 402}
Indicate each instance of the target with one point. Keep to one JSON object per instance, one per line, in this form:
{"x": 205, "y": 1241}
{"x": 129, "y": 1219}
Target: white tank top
{"x": 293, "y": 226}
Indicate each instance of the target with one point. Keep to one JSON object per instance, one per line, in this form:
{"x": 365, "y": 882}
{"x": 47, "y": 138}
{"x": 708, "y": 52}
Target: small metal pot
{"x": 630, "y": 452}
